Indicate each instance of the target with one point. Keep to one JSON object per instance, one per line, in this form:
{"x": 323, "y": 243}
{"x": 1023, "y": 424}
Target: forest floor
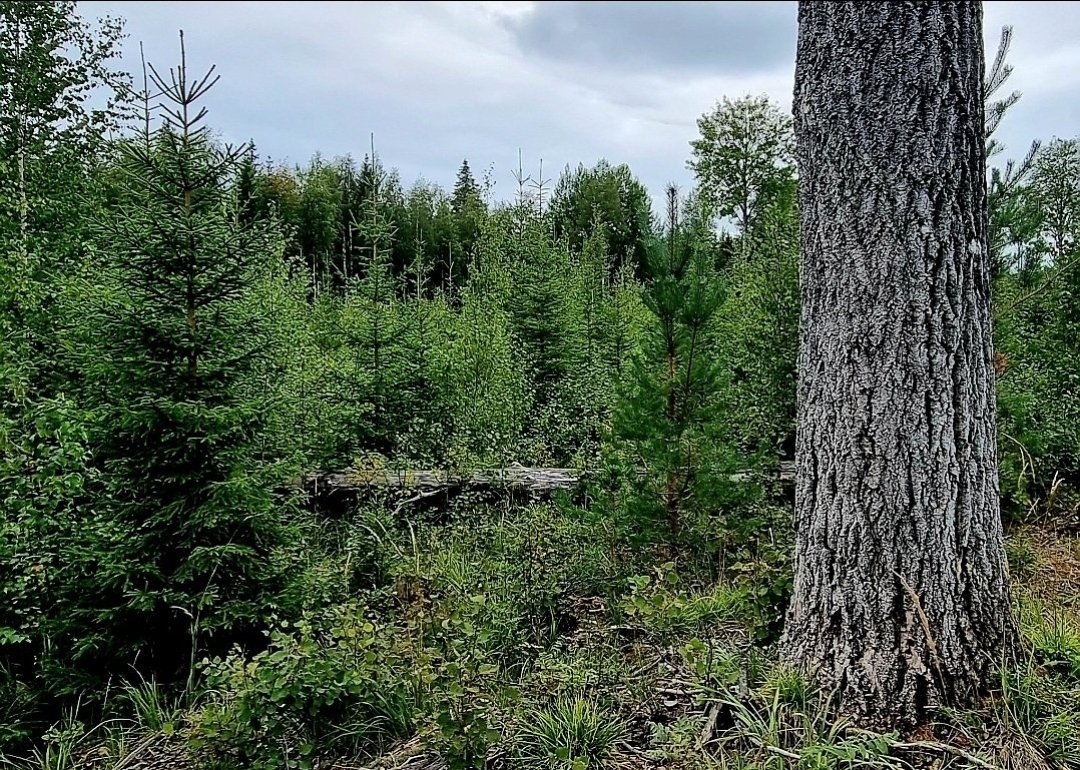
{"x": 674, "y": 672}
{"x": 678, "y": 717}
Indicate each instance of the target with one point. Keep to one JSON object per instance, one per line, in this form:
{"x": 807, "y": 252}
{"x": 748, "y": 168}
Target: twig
{"x": 774, "y": 749}
{"x": 945, "y": 748}
{"x": 923, "y": 621}
{"x": 1037, "y": 290}
{"x": 421, "y": 495}
{"x": 135, "y": 752}
{"x": 710, "y": 725}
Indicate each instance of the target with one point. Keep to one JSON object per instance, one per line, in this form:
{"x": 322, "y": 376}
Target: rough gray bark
{"x": 901, "y": 599}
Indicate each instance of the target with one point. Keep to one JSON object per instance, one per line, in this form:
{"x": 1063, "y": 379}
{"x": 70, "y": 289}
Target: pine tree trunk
{"x": 901, "y": 599}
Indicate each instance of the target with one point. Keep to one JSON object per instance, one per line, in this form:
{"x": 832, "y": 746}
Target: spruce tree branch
{"x": 1019, "y": 301}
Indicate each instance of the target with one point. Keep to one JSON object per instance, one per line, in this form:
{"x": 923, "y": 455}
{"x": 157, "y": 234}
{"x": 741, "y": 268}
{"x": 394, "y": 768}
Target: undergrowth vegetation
{"x": 470, "y": 642}
{"x": 187, "y": 332}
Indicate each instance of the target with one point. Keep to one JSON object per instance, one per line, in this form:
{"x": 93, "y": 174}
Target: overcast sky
{"x": 565, "y": 82}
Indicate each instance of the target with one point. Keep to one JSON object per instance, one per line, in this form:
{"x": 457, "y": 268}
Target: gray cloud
{"x": 566, "y": 82}
{"x": 673, "y": 37}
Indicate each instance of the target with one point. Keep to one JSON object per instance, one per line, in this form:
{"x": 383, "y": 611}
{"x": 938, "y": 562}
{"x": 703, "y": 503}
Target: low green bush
{"x": 312, "y": 692}
{"x": 663, "y": 607}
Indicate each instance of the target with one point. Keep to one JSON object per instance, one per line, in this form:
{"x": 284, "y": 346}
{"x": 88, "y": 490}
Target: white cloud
{"x": 437, "y": 82}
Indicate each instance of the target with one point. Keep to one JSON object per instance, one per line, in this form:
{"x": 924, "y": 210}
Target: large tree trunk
{"x": 901, "y": 599}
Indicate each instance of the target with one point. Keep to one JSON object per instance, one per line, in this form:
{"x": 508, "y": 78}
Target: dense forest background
{"x": 188, "y": 331}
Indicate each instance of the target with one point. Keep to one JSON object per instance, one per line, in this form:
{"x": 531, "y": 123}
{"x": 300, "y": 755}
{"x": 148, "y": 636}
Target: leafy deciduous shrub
{"x": 311, "y": 692}
{"x": 661, "y": 607}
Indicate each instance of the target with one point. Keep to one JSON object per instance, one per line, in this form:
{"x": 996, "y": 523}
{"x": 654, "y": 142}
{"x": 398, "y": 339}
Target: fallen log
{"x": 329, "y": 490}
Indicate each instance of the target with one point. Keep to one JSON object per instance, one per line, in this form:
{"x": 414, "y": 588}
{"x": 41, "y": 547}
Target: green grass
{"x": 781, "y": 725}
{"x": 570, "y": 734}
{"x": 1039, "y": 715}
{"x": 1054, "y": 637}
{"x": 151, "y": 707}
{"x": 71, "y": 745}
